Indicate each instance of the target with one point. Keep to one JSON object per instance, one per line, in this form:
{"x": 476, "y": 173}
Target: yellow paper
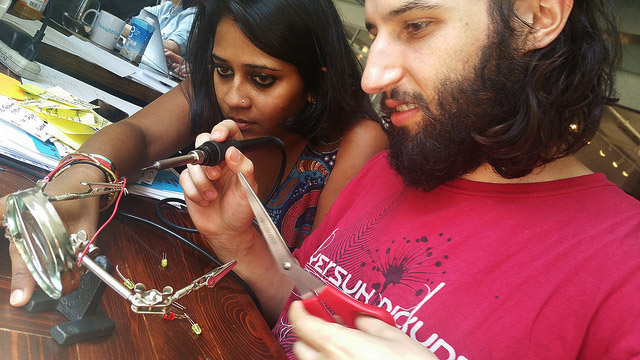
{"x": 100, "y": 122}
{"x": 59, "y": 94}
{"x": 9, "y": 87}
{"x": 85, "y": 117}
{"x": 37, "y": 101}
{"x": 69, "y": 132}
{"x": 33, "y": 89}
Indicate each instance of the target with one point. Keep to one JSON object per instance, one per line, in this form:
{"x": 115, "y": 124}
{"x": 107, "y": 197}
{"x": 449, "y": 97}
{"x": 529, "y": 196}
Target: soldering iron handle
{"x": 213, "y": 152}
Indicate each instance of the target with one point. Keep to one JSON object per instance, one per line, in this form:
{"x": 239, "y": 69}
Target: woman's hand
{"x": 214, "y": 196}
{"x": 22, "y": 283}
{"x": 75, "y": 215}
{"x": 373, "y": 339}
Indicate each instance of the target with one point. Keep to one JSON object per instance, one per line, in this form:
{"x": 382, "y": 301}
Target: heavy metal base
{"x": 80, "y": 306}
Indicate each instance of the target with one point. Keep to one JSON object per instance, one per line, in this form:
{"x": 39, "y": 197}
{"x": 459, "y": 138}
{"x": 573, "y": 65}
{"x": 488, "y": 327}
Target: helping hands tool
{"x": 316, "y": 295}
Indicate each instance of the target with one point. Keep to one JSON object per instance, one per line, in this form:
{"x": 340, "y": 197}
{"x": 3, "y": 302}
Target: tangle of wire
{"x": 115, "y": 209}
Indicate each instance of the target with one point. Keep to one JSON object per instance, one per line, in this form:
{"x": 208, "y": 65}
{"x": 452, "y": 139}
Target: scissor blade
{"x": 304, "y": 281}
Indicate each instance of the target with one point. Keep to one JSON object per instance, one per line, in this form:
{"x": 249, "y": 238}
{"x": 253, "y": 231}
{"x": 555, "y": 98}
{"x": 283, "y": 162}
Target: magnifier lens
{"x": 42, "y": 241}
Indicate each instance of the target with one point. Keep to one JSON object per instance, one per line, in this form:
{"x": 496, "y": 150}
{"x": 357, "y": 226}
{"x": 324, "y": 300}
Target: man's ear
{"x": 546, "y": 19}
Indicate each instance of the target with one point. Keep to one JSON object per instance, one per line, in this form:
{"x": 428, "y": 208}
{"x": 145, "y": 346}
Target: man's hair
{"x": 567, "y": 85}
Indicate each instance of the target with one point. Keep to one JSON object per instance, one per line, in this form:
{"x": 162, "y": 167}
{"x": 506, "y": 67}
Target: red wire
{"x": 115, "y": 208}
{"x": 54, "y": 171}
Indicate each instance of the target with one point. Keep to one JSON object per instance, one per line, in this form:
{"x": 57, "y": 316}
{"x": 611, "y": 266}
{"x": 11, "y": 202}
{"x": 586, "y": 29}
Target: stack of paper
{"x": 23, "y": 137}
{"x": 157, "y": 184}
{"x": 22, "y": 146}
{"x": 39, "y": 127}
{"x": 69, "y": 119}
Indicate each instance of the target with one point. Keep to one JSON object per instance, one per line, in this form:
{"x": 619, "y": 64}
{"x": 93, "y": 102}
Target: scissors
{"x": 317, "y": 296}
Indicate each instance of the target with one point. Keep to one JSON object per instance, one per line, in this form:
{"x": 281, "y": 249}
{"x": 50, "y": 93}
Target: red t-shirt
{"x": 488, "y": 271}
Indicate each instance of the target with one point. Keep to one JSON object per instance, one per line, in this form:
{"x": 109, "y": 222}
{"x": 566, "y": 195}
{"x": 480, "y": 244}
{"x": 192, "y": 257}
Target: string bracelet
{"x": 98, "y": 161}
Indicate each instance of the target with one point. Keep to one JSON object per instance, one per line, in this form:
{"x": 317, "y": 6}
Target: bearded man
{"x": 478, "y": 231}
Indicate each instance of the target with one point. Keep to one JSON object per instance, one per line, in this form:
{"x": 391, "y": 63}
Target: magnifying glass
{"x": 42, "y": 240}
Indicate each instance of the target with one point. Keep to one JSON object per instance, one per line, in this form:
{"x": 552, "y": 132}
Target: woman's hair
{"x": 567, "y": 85}
{"x": 305, "y": 33}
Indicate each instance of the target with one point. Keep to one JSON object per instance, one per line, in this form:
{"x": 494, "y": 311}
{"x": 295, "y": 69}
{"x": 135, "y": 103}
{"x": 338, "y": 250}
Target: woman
{"x": 308, "y": 95}
{"x": 300, "y": 83}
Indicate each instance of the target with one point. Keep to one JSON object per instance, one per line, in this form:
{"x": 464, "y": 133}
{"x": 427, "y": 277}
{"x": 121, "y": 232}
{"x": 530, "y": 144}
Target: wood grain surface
{"x": 232, "y": 327}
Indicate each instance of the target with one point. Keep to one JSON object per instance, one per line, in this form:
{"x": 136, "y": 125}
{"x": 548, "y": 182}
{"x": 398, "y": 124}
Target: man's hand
{"x": 177, "y": 63}
{"x": 374, "y": 339}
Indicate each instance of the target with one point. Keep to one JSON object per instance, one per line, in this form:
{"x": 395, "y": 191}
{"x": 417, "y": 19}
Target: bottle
{"x": 28, "y": 9}
{"x": 138, "y": 39}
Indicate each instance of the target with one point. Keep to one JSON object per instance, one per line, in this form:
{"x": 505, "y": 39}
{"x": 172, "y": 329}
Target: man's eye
{"x": 264, "y": 80}
{"x": 417, "y": 27}
{"x": 223, "y": 71}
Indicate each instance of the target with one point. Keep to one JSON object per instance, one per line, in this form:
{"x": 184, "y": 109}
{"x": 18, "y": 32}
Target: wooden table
{"x": 93, "y": 74}
{"x": 232, "y": 327}
{"x": 96, "y": 76}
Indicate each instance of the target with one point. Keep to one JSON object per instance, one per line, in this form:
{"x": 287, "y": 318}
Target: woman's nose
{"x": 236, "y": 96}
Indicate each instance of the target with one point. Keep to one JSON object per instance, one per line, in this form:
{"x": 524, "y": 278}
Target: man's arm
{"x": 373, "y": 339}
{"x": 171, "y": 46}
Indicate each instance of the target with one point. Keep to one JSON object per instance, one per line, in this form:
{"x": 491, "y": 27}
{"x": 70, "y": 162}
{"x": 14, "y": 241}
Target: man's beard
{"x": 444, "y": 146}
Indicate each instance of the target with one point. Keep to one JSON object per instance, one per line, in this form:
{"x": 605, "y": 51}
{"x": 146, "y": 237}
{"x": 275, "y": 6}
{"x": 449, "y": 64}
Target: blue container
{"x": 138, "y": 39}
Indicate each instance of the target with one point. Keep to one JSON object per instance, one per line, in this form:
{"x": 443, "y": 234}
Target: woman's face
{"x": 252, "y": 88}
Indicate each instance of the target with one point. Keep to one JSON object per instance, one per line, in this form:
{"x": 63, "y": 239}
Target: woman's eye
{"x": 223, "y": 71}
{"x": 263, "y": 80}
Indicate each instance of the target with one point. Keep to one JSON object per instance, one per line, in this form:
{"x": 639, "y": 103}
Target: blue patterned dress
{"x": 293, "y": 206}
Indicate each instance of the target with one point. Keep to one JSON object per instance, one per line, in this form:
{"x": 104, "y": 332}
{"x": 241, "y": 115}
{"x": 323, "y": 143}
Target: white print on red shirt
{"x": 324, "y": 267}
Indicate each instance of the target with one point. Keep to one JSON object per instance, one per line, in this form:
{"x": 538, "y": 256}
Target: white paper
{"x": 49, "y": 78}
{"x": 12, "y": 112}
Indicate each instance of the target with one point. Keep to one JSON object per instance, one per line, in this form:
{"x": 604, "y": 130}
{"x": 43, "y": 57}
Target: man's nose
{"x": 384, "y": 68}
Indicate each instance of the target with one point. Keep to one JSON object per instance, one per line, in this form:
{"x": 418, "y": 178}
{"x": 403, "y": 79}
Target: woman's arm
{"x": 361, "y": 142}
{"x": 156, "y": 131}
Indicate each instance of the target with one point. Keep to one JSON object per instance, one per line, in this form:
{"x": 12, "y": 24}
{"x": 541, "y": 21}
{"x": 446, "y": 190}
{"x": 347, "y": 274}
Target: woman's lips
{"x": 242, "y": 124}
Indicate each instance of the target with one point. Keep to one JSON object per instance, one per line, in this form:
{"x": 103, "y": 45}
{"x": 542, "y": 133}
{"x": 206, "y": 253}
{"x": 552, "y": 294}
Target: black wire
{"x": 17, "y": 173}
{"x": 283, "y": 164}
{"x": 173, "y": 226}
{"x": 166, "y": 221}
{"x": 26, "y": 169}
{"x": 201, "y": 251}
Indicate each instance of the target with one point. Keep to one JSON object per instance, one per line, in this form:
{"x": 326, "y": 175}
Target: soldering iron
{"x": 211, "y": 153}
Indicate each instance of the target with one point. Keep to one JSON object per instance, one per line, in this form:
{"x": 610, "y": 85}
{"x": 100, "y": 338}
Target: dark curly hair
{"x": 567, "y": 85}
{"x": 305, "y": 33}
